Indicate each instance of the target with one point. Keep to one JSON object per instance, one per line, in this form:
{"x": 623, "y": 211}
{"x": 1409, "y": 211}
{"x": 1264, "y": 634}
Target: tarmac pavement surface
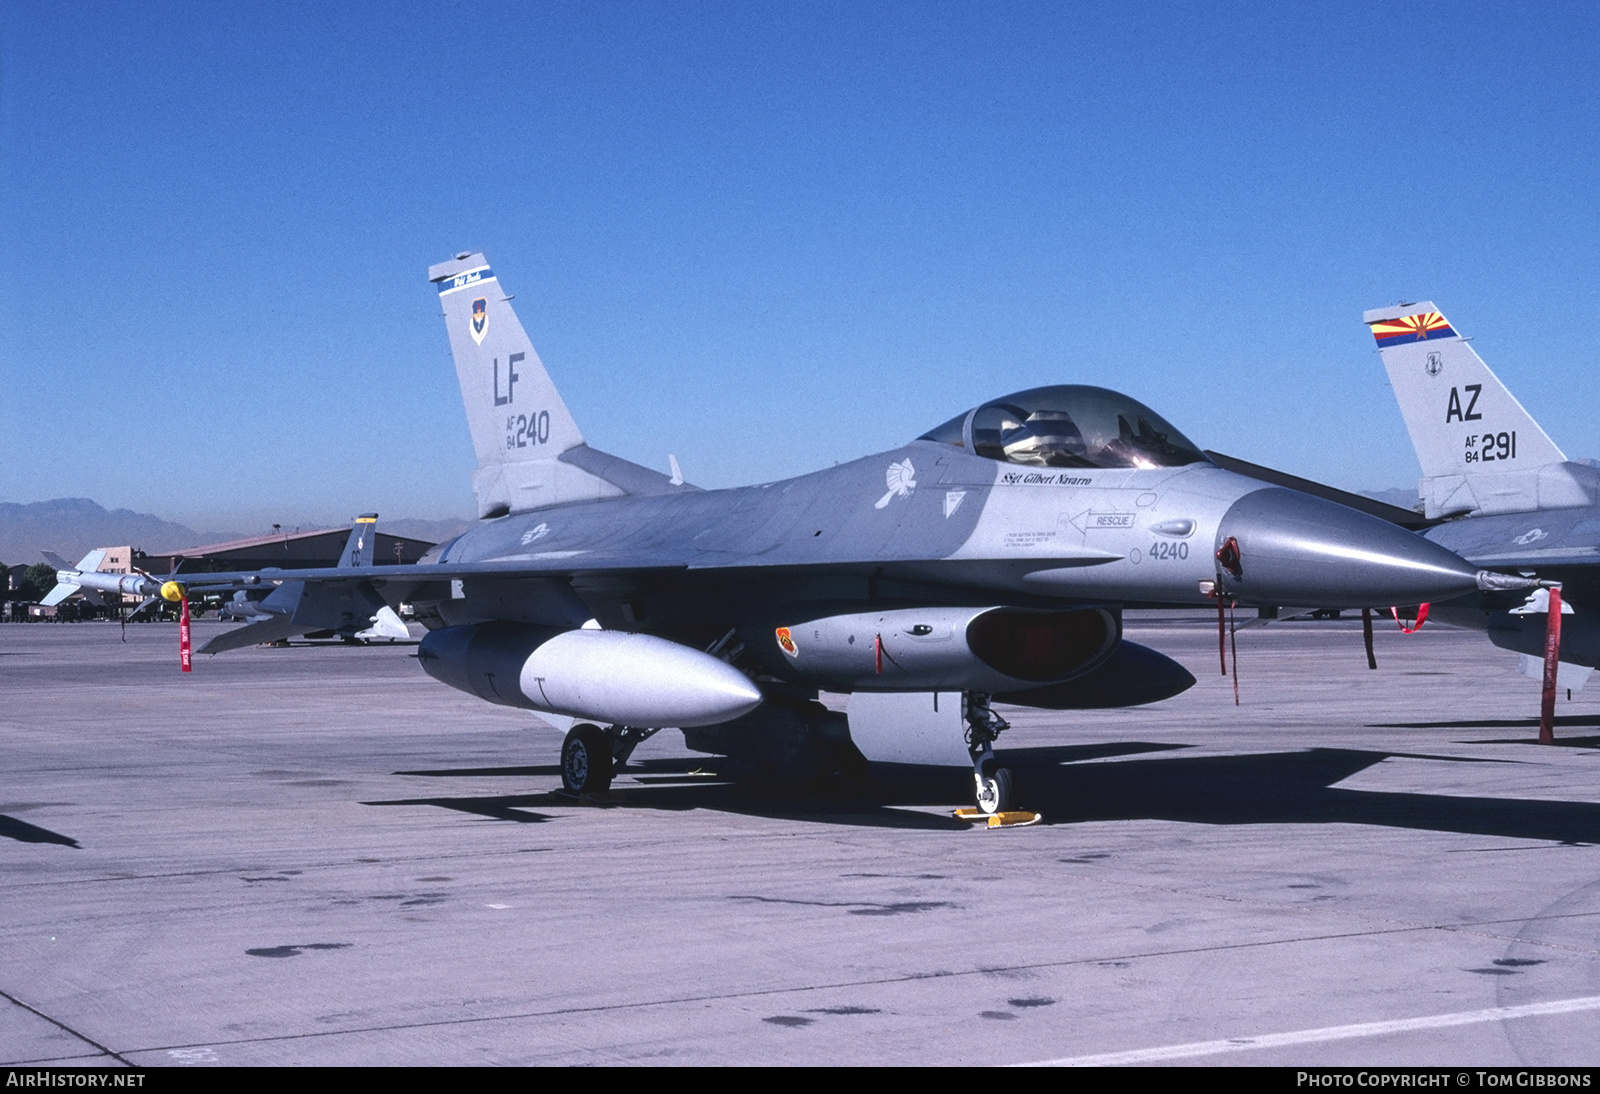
{"x": 318, "y": 855}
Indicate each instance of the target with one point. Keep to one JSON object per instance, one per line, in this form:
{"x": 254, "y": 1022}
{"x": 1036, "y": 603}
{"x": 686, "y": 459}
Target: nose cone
{"x": 1295, "y": 549}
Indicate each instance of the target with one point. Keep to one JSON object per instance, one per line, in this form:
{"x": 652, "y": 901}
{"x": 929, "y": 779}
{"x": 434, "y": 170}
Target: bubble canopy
{"x": 1069, "y": 425}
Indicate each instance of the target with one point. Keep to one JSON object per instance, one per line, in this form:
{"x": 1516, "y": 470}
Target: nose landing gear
{"x": 992, "y": 783}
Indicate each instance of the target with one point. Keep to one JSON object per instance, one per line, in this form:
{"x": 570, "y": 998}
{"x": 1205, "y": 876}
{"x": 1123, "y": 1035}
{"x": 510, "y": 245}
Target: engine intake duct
{"x": 1131, "y": 676}
{"x": 1041, "y": 646}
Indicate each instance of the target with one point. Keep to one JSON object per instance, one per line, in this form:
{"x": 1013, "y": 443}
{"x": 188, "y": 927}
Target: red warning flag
{"x": 1422, "y": 617}
{"x": 184, "y": 657}
{"x": 1552, "y": 665}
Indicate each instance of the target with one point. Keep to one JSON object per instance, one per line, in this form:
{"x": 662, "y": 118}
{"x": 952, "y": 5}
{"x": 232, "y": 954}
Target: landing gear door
{"x": 910, "y": 727}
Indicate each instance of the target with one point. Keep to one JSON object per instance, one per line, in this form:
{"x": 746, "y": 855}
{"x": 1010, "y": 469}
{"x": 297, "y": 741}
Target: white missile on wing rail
{"x": 610, "y": 677}
{"x": 86, "y": 576}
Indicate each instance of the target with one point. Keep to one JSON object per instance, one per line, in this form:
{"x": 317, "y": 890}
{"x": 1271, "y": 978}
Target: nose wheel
{"x": 994, "y": 792}
{"x": 991, "y": 782}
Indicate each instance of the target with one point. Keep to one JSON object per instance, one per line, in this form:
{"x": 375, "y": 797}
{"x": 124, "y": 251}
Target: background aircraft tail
{"x": 1480, "y": 451}
{"x": 530, "y": 451}
{"x": 360, "y": 547}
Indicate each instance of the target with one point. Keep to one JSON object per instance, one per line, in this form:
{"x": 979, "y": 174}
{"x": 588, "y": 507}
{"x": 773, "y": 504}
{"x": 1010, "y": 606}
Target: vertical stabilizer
{"x": 1479, "y": 449}
{"x": 363, "y": 541}
{"x": 519, "y": 424}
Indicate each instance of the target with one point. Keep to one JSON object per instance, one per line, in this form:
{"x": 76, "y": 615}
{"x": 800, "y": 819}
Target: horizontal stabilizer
{"x": 253, "y": 634}
{"x": 1568, "y": 676}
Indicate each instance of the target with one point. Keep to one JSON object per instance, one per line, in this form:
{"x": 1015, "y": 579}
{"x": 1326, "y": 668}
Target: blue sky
{"x": 765, "y": 237}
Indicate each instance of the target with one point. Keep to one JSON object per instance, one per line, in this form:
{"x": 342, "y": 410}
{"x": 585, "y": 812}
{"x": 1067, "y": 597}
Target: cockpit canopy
{"x": 1069, "y": 425}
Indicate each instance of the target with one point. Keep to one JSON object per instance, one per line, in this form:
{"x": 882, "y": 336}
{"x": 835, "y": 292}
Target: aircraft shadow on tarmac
{"x": 715, "y": 782}
{"x": 1566, "y": 721}
{"x": 1265, "y": 788}
{"x": 23, "y": 832}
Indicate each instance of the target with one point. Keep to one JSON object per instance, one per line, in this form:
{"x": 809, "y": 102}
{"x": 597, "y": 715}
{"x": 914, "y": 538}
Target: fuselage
{"x": 932, "y": 523}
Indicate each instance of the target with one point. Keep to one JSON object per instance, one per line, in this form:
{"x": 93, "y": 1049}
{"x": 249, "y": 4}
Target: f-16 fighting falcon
{"x": 1507, "y": 496}
{"x": 989, "y": 558}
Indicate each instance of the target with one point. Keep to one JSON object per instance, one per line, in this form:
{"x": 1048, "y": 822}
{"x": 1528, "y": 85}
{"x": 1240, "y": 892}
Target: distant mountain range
{"x": 72, "y": 527}
{"x": 434, "y": 531}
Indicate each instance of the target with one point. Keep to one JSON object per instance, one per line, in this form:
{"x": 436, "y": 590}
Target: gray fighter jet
{"x": 284, "y": 610}
{"x": 989, "y": 558}
{"x": 1507, "y": 497}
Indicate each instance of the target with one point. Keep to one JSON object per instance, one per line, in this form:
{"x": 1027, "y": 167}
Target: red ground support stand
{"x": 1552, "y": 659}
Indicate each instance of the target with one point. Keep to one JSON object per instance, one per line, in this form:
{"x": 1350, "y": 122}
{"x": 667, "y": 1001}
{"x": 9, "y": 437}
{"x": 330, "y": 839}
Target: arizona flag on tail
{"x": 1410, "y": 328}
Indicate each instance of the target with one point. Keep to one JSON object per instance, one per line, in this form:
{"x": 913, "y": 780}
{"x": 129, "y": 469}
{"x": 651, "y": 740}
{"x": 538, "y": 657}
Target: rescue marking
{"x": 1088, "y": 520}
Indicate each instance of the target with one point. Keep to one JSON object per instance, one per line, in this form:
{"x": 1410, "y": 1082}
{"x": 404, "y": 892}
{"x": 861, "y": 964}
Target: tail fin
{"x": 1480, "y": 451}
{"x": 530, "y": 451}
{"x": 65, "y": 585}
{"x": 358, "y": 549}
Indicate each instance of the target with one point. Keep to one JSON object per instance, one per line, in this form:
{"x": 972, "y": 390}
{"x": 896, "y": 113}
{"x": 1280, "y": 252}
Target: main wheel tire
{"x": 994, "y": 792}
{"x": 586, "y": 760}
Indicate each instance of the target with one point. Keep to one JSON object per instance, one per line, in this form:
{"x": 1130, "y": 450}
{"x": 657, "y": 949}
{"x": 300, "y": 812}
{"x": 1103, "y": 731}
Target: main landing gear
{"x": 992, "y": 782}
{"x": 591, "y": 756}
